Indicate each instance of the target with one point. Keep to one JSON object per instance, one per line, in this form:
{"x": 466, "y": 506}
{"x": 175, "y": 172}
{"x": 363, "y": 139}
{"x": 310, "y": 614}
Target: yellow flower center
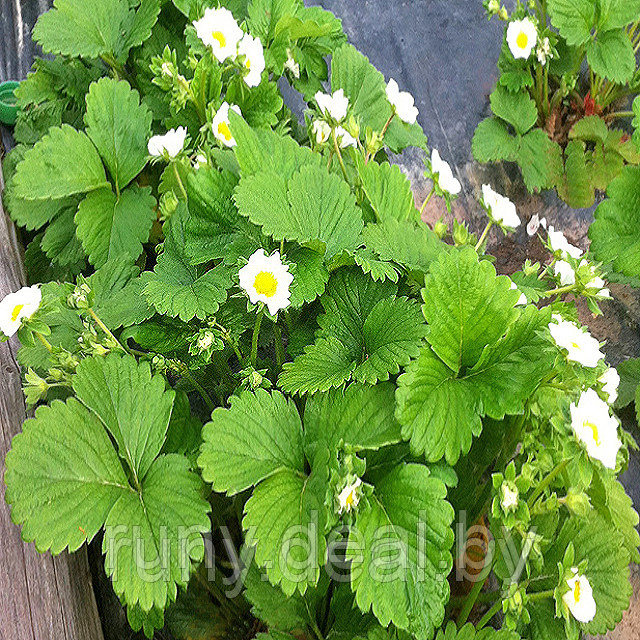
{"x": 16, "y": 312}
{"x": 576, "y": 591}
{"x": 594, "y": 430}
{"x": 247, "y": 63}
{"x": 522, "y": 40}
{"x": 265, "y": 284}
{"x": 224, "y": 131}
{"x": 350, "y": 501}
{"x": 218, "y": 36}
{"x": 575, "y": 345}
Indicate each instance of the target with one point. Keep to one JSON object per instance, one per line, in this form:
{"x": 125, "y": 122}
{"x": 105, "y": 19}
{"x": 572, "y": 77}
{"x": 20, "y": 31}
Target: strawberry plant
{"x": 286, "y": 407}
{"x": 555, "y": 120}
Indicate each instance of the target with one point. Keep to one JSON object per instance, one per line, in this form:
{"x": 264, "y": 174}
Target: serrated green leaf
{"x": 574, "y": 19}
{"x": 412, "y": 245}
{"x": 153, "y": 536}
{"x": 492, "y": 142}
{"x": 310, "y": 275}
{"x": 111, "y": 226}
{"x": 120, "y": 127}
{"x": 518, "y": 109}
{"x": 539, "y": 159}
{"x": 408, "y": 505}
{"x": 575, "y": 187}
{"x": 63, "y": 163}
{"x": 378, "y": 269}
{"x": 292, "y": 547}
{"x": 590, "y": 129}
{"x": 259, "y": 434}
{"x": 611, "y": 56}
{"x": 61, "y": 494}
{"x": 313, "y": 205}
{"x": 33, "y": 214}
{"x": 629, "y": 371}
{"x": 615, "y": 234}
{"x": 466, "y": 306}
{"x": 131, "y": 403}
{"x": 468, "y": 632}
{"x": 361, "y": 417}
{"x": 617, "y": 13}
{"x": 60, "y": 242}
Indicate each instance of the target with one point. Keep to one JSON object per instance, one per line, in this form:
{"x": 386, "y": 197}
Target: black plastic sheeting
{"x": 444, "y": 52}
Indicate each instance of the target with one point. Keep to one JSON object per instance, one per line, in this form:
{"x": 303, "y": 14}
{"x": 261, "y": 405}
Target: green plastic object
{"x": 8, "y": 103}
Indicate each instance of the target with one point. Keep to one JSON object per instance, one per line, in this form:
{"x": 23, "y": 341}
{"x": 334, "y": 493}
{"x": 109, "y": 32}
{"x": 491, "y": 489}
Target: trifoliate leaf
{"x": 412, "y": 245}
{"x": 388, "y": 191}
{"x": 259, "y": 434}
{"x": 120, "y": 127}
{"x": 615, "y": 234}
{"x": 361, "y": 417}
{"x": 292, "y": 546}
{"x": 153, "y": 535}
{"x": 611, "y": 56}
{"x": 468, "y": 632}
{"x": 310, "y": 275}
{"x": 515, "y": 80}
{"x": 366, "y": 333}
{"x": 406, "y": 505}
{"x": 62, "y": 163}
{"x": 492, "y": 142}
{"x": 518, "y": 109}
{"x": 467, "y": 307}
{"x": 62, "y": 494}
{"x": 132, "y": 404}
{"x": 574, "y": 19}
{"x": 364, "y": 85}
{"x": 111, "y": 226}
{"x": 313, "y": 205}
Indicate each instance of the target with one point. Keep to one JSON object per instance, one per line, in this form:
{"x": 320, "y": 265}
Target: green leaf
{"x": 120, "y": 127}
{"x": 111, "y": 226}
{"x": 615, "y": 234}
{"x": 152, "y": 536}
{"x": 131, "y": 403}
{"x": 292, "y": 546}
{"x": 412, "y": 245}
{"x": 365, "y": 87}
{"x": 258, "y": 435}
{"x": 518, "y": 109}
{"x": 466, "y": 306}
{"x": 60, "y": 242}
{"x": 574, "y": 19}
{"x": 62, "y": 163}
{"x": 575, "y": 187}
{"x": 361, "y": 417}
{"x": 366, "y": 332}
{"x": 314, "y": 205}
{"x": 310, "y": 275}
{"x": 388, "y": 190}
{"x": 611, "y": 56}
{"x": 629, "y": 371}
{"x": 407, "y": 505}
{"x": 33, "y": 214}
{"x": 615, "y": 14}
{"x": 539, "y": 159}
{"x": 61, "y": 494}
{"x": 468, "y": 632}
{"x": 492, "y": 142}
{"x": 590, "y": 129}
{"x": 377, "y": 268}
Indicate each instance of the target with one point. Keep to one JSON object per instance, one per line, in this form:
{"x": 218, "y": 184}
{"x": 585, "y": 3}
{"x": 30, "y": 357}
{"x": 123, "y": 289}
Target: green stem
{"x": 551, "y": 476}
{"x": 621, "y": 114}
{"x": 483, "y": 598}
{"x": 254, "y": 339}
{"x": 386, "y": 126}
{"x": 559, "y": 291}
{"x": 426, "y": 200}
{"x": 106, "y": 330}
{"x": 541, "y": 595}
{"x": 280, "y": 352}
{"x": 484, "y": 235}
{"x": 486, "y": 618}
{"x": 199, "y": 388}
{"x": 336, "y": 148}
{"x": 179, "y": 179}
{"x": 474, "y": 594}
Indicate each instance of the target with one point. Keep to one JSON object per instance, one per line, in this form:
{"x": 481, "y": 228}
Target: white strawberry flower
{"x": 321, "y": 131}
{"x": 596, "y": 428}
{"x": 18, "y": 306}
{"x": 402, "y": 102}
{"x": 345, "y": 139}
{"x": 335, "y": 106}
{"x": 535, "y": 223}
{"x": 253, "y": 52}
{"x": 522, "y": 36}
{"x": 291, "y": 65}
{"x": 266, "y": 279}
{"x": 168, "y": 145}
{"x": 200, "y": 161}
{"x": 564, "y": 272}
{"x": 510, "y": 497}
{"x": 219, "y": 30}
{"x": 610, "y": 381}
{"x": 559, "y": 244}
{"x": 596, "y": 286}
{"x": 349, "y": 497}
{"x": 442, "y": 170}
{"x": 580, "y": 345}
{"x": 579, "y": 598}
{"x": 221, "y": 126}
{"x": 501, "y": 209}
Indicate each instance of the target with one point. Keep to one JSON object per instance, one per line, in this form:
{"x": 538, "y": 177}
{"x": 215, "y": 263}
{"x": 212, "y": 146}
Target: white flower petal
{"x": 501, "y": 209}
{"x": 565, "y": 273}
{"x": 253, "y": 51}
{"x": 335, "y": 106}
{"x": 18, "y": 306}
{"x": 266, "y": 279}
{"x": 559, "y": 244}
{"x": 402, "y": 102}
{"x": 170, "y": 144}
{"x": 522, "y": 36}
{"x": 579, "y": 599}
{"x": 221, "y": 126}
{"x": 444, "y": 173}
{"x": 219, "y": 30}
{"x": 581, "y": 346}
{"x": 610, "y": 381}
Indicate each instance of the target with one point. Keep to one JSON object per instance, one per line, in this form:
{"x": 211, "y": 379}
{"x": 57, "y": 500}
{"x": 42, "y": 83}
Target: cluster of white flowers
{"x": 266, "y": 279}
{"x": 443, "y": 174}
{"x": 168, "y": 145}
{"x": 566, "y": 275}
{"x": 219, "y": 30}
{"x": 500, "y": 209}
{"x": 579, "y": 598}
{"x": 18, "y": 306}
